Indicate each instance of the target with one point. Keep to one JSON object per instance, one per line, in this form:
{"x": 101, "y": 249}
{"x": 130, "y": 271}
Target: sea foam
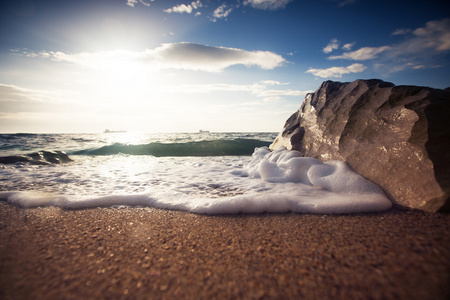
{"x": 278, "y": 181}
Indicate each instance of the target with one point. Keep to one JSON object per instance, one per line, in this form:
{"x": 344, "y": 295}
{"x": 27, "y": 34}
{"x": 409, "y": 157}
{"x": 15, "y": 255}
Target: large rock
{"x": 396, "y": 136}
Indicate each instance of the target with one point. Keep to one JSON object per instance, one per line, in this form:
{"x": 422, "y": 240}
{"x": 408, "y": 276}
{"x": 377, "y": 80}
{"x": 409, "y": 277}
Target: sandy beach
{"x": 145, "y": 253}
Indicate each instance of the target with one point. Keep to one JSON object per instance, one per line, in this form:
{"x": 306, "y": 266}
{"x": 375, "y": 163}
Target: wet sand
{"x": 144, "y": 253}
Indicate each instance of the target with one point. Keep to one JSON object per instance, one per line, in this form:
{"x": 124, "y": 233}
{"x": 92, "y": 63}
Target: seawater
{"x": 208, "y": 173}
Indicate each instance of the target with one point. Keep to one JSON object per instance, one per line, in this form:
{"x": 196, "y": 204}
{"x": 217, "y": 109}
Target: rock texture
{"x": 396, "y": 136}
{"x": 38, "y": 158}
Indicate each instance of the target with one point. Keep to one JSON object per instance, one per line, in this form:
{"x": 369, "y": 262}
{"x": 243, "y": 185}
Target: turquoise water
{"x": 161, "y": 144}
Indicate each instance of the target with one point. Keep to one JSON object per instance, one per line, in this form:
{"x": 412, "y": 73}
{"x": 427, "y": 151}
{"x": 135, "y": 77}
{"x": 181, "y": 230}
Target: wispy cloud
{"x": 183, "y": 8}
{"x": 221, "y": 12}
{"x": 188, "y": 56}
{"x": 15, "y": 99}
{"x": 418, "y": 50}
{"x": 133, "y": 2}
{"x": 196, "y": 4}
{"x": 226, "y": 8}
{"x": 333, "y": 45}
{"x": 267, "y": 4}
{"x": 364, "y": 53}
{"x": 401, "y": 31}
{"x": 261, "y": 89}
{"x": 434, "y": 36}
{"x": 273, "y": 82}
{"x": 348, "y": 46}
{"x": 337, "y": 71}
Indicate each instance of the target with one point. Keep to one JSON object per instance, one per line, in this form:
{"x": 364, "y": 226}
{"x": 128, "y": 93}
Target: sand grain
{"x": 144, "y": 253}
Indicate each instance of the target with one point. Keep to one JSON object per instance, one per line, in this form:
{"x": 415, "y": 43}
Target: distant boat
{"x": 203, "y": 131}
{"x": 114, "y": 131}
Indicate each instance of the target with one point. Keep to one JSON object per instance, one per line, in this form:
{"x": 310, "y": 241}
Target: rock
{"x": 395, "y": 136}
{"x": 38, "y": 158}
{"x": 14, "y": 159}
{"x": 56, "y": 157}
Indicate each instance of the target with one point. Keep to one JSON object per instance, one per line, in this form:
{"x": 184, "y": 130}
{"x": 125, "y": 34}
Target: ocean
{"x": 205, "y": 173}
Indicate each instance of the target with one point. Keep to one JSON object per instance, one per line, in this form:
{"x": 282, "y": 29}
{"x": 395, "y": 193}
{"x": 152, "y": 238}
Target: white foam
{"x": 278, "y": 181}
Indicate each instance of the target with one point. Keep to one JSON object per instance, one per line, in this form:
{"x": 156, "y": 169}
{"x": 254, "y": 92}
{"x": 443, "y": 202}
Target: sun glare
{"x": 123, "y": 81}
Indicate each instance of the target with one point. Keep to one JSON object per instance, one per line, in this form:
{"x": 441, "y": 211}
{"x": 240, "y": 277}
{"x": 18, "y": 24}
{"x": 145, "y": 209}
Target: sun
{"x": 121, "y": 80}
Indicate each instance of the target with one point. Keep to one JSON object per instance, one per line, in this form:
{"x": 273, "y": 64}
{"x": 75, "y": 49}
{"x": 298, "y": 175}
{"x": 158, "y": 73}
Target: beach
{"x": 148, "y": 253}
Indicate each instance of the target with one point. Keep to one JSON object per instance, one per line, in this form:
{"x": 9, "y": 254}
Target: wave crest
{"x": 201, "y": 148}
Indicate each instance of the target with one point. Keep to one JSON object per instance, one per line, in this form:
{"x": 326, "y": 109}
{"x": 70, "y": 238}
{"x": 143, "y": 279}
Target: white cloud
{"x": 273, "y": 82}
{"x": 288, "y": 92}
{"x": 421, "y": 48}
{"x": 14, "y": 99}
{"x": 197, "y": 4}
{"x": 435, "y": 35}
{"x": 183, "y": 8}
{"x": 364, "y": 53}
{"x": 401, "y": 31}
{"x": 188, "y": 56}
{"x": 337, "y": 71}
{"x": 333, "y": 45}
{"x": 224, "y": 10}
{"x": 213, "y": 59}
{"x": 267, "y": 4}
{"x": 259, "y": 89}
{"x": 133, "y": 2}
{"x": 418, "y": 50}
{"x": 348, "y": 46}
{"x": 221, "y": 12}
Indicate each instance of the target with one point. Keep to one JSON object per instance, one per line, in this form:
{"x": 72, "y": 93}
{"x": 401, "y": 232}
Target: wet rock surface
{"x": 396, "y": 136}
{"x": 38, "y": 158}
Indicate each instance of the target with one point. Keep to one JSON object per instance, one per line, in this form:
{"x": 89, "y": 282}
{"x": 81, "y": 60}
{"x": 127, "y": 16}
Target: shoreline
{"x": 147, "y": 253}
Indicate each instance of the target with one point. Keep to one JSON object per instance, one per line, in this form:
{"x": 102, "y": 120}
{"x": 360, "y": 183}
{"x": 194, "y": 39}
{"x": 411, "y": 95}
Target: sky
{"x": 81, "y": 66}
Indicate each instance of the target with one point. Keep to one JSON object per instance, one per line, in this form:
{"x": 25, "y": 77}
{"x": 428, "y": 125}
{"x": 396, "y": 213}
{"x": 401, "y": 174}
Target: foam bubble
{"x": 278, "y": 181}
{"x": 31, "y": 199}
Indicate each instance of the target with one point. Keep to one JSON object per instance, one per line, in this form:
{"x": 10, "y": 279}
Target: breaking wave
{"x": 199, "y": 148}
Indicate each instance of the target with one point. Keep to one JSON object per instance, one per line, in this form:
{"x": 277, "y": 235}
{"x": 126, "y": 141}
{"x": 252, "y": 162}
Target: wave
{"x": 222, "y": 147}
{"x": 200, "y": 148}
{"x": 17, "y": 135}
{"x": 278, "y": 181}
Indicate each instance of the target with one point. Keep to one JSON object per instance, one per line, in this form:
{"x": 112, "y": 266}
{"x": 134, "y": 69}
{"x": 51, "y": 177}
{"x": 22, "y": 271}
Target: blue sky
{"x": 172, "y": 66}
